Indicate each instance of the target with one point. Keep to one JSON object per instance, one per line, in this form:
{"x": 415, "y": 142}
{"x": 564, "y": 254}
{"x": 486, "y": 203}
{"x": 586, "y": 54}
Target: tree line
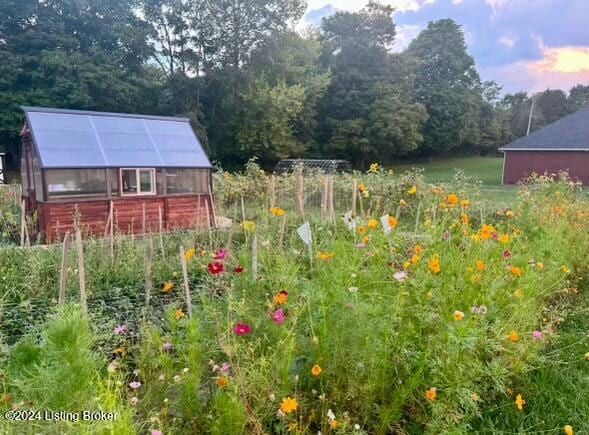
{"x": 252, "y": 85}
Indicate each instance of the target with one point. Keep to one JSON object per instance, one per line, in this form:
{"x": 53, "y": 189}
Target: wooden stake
{"x": 354, "y": 193}
{"x": 273, "y": 190}
{"x": 210, "y": 231}
{"x": 143, "y": 220}
{"x": 81, "y": 271}
{"x": 417, "y": 218}
{"x": 185, "y": 282}
{"x": 301, "y": 194}
{"x": 214, "y": 212}
{"x": 63, "y": 275}
{"x": 255, "y": 258}
{"x": 330, "y": 199}
{"x": 161, "y": 228}
{"x": 242, "y": 209}
{"x": 23, "y": 223}
{"x": 148, "y": 270}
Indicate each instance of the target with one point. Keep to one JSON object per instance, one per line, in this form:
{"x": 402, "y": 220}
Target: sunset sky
{"x": 526, "y": 45}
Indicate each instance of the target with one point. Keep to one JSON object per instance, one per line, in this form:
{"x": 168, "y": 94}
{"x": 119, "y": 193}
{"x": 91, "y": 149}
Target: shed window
{"x": 136, "y": 181}
{"x": 64, "y": 183}
{"x": 180, "y": 181}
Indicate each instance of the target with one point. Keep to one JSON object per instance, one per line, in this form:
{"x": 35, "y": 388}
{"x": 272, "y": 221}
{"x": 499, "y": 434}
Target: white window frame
{"x": 138, "y": 178}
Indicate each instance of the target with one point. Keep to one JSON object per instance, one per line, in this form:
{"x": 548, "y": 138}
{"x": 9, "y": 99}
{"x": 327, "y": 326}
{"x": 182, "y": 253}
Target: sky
{"x": 524, "y": 45}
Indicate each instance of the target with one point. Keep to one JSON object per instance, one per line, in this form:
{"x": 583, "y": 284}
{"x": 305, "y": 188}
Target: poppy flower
{"x": 242, "y": 329}
{"x": 278, "y": 316}
{"x": 216, "y": 268}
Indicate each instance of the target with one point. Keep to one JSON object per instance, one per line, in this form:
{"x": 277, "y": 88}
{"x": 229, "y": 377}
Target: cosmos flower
{"x": 216, "y": 268}
{"x": 121, "y": 329}
{"x": 278, "y": 316}
{"x": 221, "y": 254}
{"x": 434, "y": 265}
{"x": 393, "y": 222}
{"x": 538, "y": 336}
{"x": 238, "y": 269}
{"x": 568, "y": 430}
{"x": 452, "y": 199}
{"x": 179, "y": 314}
{"x": 401, "y": 276}
{"x": 134, "y": 385}
{"x": 281, "y": 297}
{"x": 513, "y": 336}
{"x": 242, "y": 329}
{"x": 372, "y": 224}
{"x": 325, "y": 256}
{"x": 506, "y": 254}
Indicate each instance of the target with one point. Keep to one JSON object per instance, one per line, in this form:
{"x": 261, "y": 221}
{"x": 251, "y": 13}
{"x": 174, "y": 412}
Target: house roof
{"x": 570, "y": 133}
{"x": 82, "y": 139}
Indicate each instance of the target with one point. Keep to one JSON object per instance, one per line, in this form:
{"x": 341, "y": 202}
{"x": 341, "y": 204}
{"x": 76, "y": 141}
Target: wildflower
{"x": 518, "y": 293}
{"x": 452, "y": 199}
{"x": 519, "y": 402}
{"x": 249, "y": 226}
{"x": 242, "y": 329}
{"x": 538, "y": 336}
{"x": 177, "y": 379}
{"x": 476, "y": 278}
{"x": 418, "y": 249}
{"x": 353, "y": 290}
{"x": 509, "y": 213}
{"x": 434, "y": 265}
{"x": 168, "y": 287}
{"x": 465, "y": 203}
{"x": 487, "y": 231}
{"x": 374, "y": 168}
{"x": 119, "y": 351}
{"x": 475, "y": 397}
{"x": 509, "y": 392}
{"x": 325, "y": 256}
{"x": 412, "y": 190}
{"x": 516, "y": 271}
{"x": 431, "y": 394}
{"x": 216, "y": 268}
{"x": 189, "y": 254}
{"x": 458, "y": 315}
{"x": 415, "y": 259}
{"x": 393, "y": 222}
{"x": 587, "y": 356}
{"x": 568, "y": 430}
{"x": 361, "y": 230}
{"x": 506, "y": 254}
{"x": 288, "y": 405}
{"x": 277, "y": 211}
{"x": 407, "y": 265}
{"x": 401, "y": 276}
{"x": 112, "y": 367}
{"x": 360, "y": 245}
{"x": 540, "y": 265}
{"x": 156, "y": 432}
{"x": 238, "y": 269}
{"x": 225, "y": 367}
{"x": 446, "y": 235}
{"x": 278, "y": 316}
{"x": 402, "y": 202}
{"x": 281, "y": 297}
{"x": 221, "y": 255}
{"x": 316, "y": 370}
{"x": 464, "y": 219}
{"x": 120, "y": 329}
{"x": 134, "y": 400}
{"x": 134, "y": 385}
{"x": 334, "y": 424}
{"x": 565, "y": 269}
{"x": 513, "y": 336}
{"x": 167, "y": 346}
{"x": 372, "y": 224}
{"x": 480, "y": 265}
{"x": 222, "y": 382}
{"x": 504, "y": 238}
{"x": 179, "y": 314}
{"x": 361, "y": 188}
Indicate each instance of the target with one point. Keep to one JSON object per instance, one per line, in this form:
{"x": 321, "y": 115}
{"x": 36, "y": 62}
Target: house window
{"x": 136, "y": 181}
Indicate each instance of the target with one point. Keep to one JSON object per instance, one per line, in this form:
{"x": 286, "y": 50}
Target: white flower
{"x": 177, "y": 378}
{"x": 162, "y": 377}
{"x": 134, "y": 400}
{"x": 330, "y": 415}
{"x": 357, "y": 426}
{"x": 112, "y": 367}
{"x": 185, "y": 370}
{"x": 353, "y": 290}
{"x": 272, "y": 397}
{"x": 401, "y": 276}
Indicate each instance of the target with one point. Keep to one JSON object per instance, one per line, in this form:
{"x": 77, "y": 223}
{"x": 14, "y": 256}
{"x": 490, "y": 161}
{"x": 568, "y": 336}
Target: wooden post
{"x": 398, "y": 212}
{"x": 255, "y": 258}
{"x": 185, "y": 282}
{"x": 143, "y": 220}
{"x": 330, "y": 199}
{"x": 301, "y": 194}
{"x": 148, "y": 270}
{"x": 81, "y": 271}
{"x": 63, "y": 275}
{"x": 242, "y": 209}
{"x": 354, "y": 194}
{"x": 111, "y": 231}
{"x": 210, "y": 231}
{"x": 417, "y": 218}
{"x": 23, "y": 223}
{"x": 160, "y": 228}
{"x": 273, "y": 190}
{"x": 213, "y": 211}
{"x": 325, "y": 196}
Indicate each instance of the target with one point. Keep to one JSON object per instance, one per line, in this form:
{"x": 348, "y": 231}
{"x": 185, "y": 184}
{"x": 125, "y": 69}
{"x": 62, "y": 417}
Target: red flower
{"x": 506, "y": 253}
{"x": 242, "y": 329}
{"x": 216, "y": 268}
{"x": 238, "y": 269}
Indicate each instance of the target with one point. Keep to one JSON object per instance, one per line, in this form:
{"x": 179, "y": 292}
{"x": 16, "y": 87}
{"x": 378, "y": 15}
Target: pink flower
{"x": 401, "y": 276}
{"x": 216, "y": 268}
{"x": 278, "y": 316}
{"x": 361, "y": 245}
{"x": 538, "y": 336}
{"x": 446, "y": 235}
{"x": 221, "y": 254}
{"x": 121, "y": 329}
{"x": 506, "y": 253}
{"x": 134, "y": 385}
{"x": 156, "y": 432}
{"x": 225, "y": 367}
{"x": 168, "y": 347}
{"x": 242, "y": 329}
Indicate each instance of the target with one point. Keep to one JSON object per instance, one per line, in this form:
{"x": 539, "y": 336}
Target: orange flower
{"x": 418, "y": 249}
{"x": 519, "y": 402}
{"x": 222, "y": 382}
{"x": 361, "y": 230}
{"x": 480, "y": 265}
{"x": 434, "y": 265}
{"x": 277, "y": 211}
{"x": 504, "y": 238}
{"x": 168, "y": 287}
{"x": 431, "y": 394}
{"x": 452, "y": 199}
{"x": 281, "y": 297}
{"x": 516, "y": 271}
{"x": 189, "y": 254}
{"x": 179, "y": 314}
{"x": 487, "y": 231}
{"x": 518, "y": 293}
{"x": 325, "y": 256}
{"x": 464, "y": 219}
{"x": 458, "y": 315}
{"x": 568, "y": 430}
{"x": 334, "y": 424}
{"x": 415, "y": 259}
{"x": 316, "y": 370}
{"x": 372, "y": 224}
{"x": 289, "y": 405}
{"x": 465, "y": 203}
{"x": 513, "y": 336}
{"x": 393, "y": 222}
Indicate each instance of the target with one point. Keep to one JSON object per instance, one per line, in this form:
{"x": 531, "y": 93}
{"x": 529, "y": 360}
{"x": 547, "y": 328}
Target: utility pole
{"x": 531, "y": 113}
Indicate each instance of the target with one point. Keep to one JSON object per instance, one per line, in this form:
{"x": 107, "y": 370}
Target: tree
{"x": 446, "y": 83}
{"x": 578, "y": 97}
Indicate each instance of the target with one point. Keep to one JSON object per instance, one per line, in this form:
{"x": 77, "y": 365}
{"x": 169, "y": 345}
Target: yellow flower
{"x": 519, "y": 402}
{"x": 168, "y": 287}
{"x": 418, "y": 249}
{"x": 509, "y": 213}
{"x": 458, "y": 315}
{"x": 412, "y": 190}
{"x": 402, "y": 202}
{"x": 277, "y": 211}
{"x": 372, "y": 224}
{"x": 465, "y": 203}
{"x": 361, "y": 230}
{"x": 334, "y": 424}
{"x": 568, "y": 430}
{"x": 189, "y": 254}
{"x": 540, "y": 265}
{"x": 480, "y": 265}
{"x": 325, "y": 256}
{"x": 374, "y": 168}
{"x": 316, "y": 370}
{"x": 565, "y": 269}
{"x": 393, "y": 222}
{"x": 513, "y": 336}
{"x": 288, "y": 405}
{"x": 452, "y": 199}
{"x": 516, "y": 271}
{"x": 476, "y": 278}
{"x": 415, "y": 259}
{"x": 475, "y": 397}
{"x": 179, "y": 314}
{"x": 504, "y": 238}
{"x": 407, "y": 265}
{"x": 518, "y": 293}
{"x": 361, "y": 187}
{"x": 365, "y": 240}
{"x": 464, "y": 219}
{"x": 434, "y": 265}
{"x": 487, "y": 231}
{"x": 249, "y": 226}
{"x": 222, "y": 382}
{"x": 431, "y": 394}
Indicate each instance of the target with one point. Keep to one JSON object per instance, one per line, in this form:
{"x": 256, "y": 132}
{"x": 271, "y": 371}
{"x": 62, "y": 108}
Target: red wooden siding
{"x": 178, "y": 212}
{"x": 521, "y": 164}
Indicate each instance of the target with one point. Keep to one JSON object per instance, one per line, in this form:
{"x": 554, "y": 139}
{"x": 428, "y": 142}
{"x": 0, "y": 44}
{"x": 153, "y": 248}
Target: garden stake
{"x": 255, "y": 257}
{"x": 63, "y": 274}
{"x": 148, "y": 270}
{"x": 185, "y": 282}
{"x": 417, "y": 218}
{"x": 242, "y": 208}
{"x": 143, "y": 220}
{"x": 209, "y": 226}
{"x": 81, "y": 270}
{"x": 354, "y": 193}
{"x": 160, "y": 227}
